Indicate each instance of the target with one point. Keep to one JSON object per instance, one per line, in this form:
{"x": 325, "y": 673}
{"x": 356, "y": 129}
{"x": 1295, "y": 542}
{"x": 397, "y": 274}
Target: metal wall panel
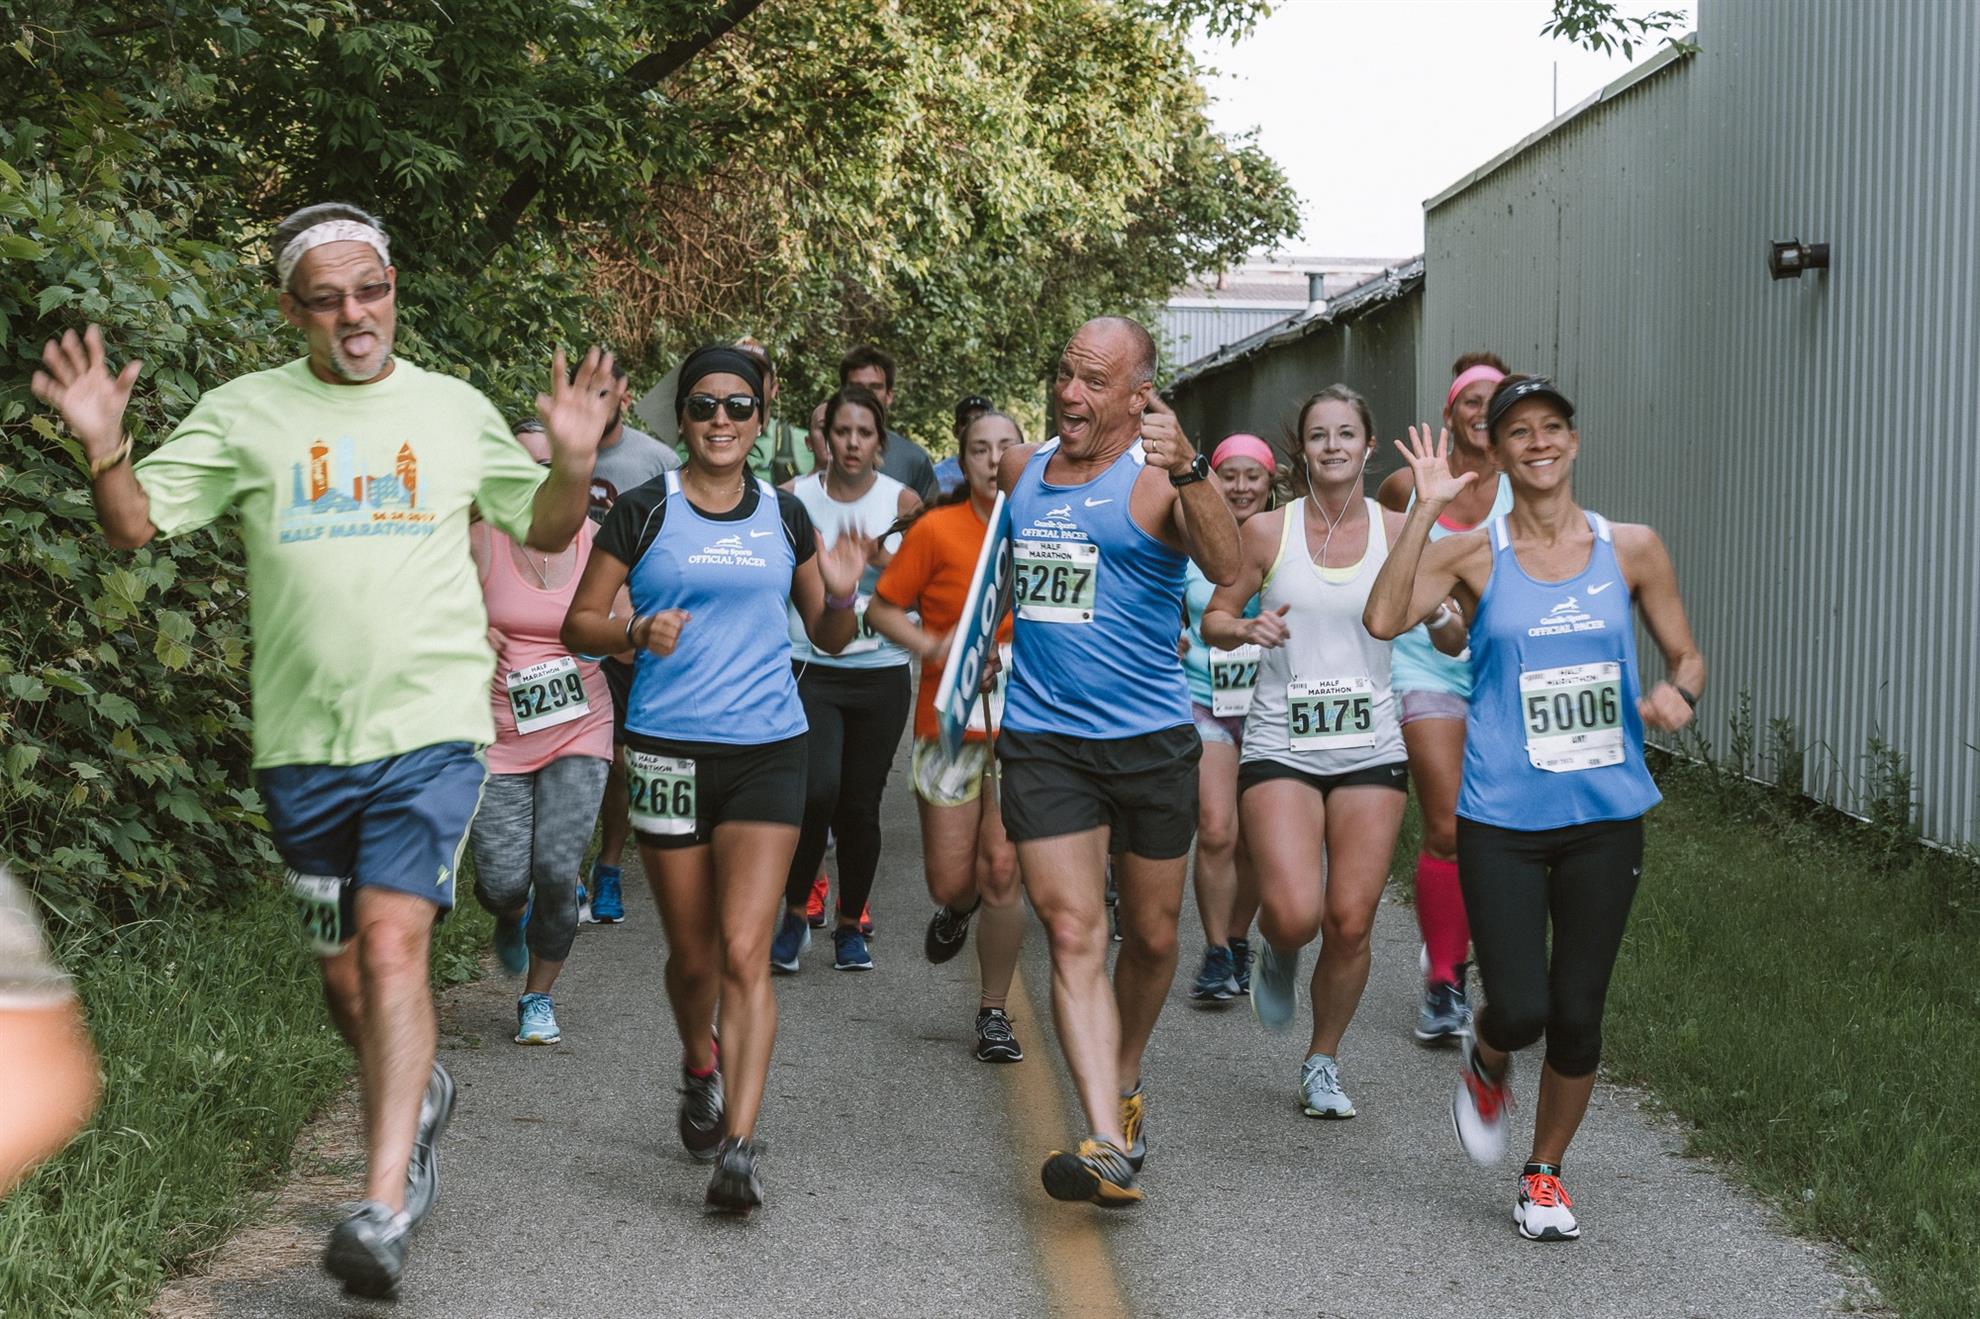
{"x": 1187, "y": 333}
{"x": 1374, "y": 352}
{"x": 1805, "y": 447}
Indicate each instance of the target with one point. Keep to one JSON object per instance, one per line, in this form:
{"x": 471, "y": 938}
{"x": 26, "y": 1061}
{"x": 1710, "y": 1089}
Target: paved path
{"x": 902, "y": 1176}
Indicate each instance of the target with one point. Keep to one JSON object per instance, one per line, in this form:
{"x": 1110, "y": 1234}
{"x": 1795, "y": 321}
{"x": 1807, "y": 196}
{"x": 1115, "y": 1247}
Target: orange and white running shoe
{"x": 814, "y": 906}
{"x": 1478, "y": 1108}
{"x": 1543, "y": 1210}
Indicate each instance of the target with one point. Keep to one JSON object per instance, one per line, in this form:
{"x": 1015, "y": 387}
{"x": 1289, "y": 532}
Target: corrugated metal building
{"x": 1803, "y": 445}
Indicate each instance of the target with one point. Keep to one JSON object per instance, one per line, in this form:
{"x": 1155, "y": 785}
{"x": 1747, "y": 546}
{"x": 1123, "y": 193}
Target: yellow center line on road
{"x": 1073, "y": 1258}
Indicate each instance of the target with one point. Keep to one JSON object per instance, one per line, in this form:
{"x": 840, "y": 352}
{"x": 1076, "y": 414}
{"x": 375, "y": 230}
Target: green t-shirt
{"x": 370, "y": 637}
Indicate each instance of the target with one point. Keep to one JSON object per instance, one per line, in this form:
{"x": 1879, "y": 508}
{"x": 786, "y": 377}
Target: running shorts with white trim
{"x": 399, "y": 823}
{"x": 1433, "y": 705}
{"x": 760, "y": 784}
{"x": 1251, "y": 773}
{"x": 942, "y": 780}
{"x": 1142, "y": 787}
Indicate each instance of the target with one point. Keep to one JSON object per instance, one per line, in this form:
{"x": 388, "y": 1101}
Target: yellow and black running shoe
{"x": 1134, "y": 1112}
{"x": 1099, "y": 1173}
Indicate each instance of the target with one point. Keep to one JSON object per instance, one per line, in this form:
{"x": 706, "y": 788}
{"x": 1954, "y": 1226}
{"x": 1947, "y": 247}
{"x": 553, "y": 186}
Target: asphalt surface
{"x": 902, "y": 1176}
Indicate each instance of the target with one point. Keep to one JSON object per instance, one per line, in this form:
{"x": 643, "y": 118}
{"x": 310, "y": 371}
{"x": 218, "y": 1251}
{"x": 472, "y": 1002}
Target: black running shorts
{"x": 1251, "y": 773}
{"x": 1143, "y": 788}
{"x": 757, "y": 784}
{"x": 618, "y": 681}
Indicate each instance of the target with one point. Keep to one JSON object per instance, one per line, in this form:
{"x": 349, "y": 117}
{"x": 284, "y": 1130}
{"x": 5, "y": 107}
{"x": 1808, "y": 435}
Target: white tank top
{"x": 1323, "y": 702}
{"x": 871, "y": 514}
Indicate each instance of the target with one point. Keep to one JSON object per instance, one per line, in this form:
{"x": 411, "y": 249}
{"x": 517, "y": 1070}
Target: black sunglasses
{"x": 740, "y": 407}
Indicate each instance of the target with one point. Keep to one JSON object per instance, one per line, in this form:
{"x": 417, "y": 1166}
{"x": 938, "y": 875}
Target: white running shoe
{"x": 1320, "y": 1093}
{"x": 1543, "y": 1210}
{"x": 1478, "y": 1109}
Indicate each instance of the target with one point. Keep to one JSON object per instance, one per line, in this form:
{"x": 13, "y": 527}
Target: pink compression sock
{"x": 1440, "y": 915}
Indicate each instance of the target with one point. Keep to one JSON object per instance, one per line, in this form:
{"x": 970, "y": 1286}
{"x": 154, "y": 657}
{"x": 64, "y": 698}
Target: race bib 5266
{"x": 660, "y": 792}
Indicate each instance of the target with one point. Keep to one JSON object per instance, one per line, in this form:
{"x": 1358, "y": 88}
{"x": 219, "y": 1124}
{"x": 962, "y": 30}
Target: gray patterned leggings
{"x": 532, "y": 829}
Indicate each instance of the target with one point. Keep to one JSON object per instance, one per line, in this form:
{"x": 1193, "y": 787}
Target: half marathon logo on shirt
{"x": 731, "y": 552}
{"x": 329, "y": 495}
{"x": 1566, "y": 617}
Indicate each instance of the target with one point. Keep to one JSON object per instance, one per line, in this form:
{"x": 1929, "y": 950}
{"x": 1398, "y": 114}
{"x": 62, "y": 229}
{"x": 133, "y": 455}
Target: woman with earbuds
{"x": 1323, "y": 779}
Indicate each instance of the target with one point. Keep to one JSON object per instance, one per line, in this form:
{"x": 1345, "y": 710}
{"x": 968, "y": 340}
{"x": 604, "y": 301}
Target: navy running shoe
{"x": 1216, "y": 980}
{"x": 793, "y": 937}
{"x": 849, "y": 950}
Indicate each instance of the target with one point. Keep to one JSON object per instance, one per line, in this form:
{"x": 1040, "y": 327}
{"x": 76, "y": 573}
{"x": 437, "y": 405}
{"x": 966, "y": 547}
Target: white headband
{"x": 330, "y": 231}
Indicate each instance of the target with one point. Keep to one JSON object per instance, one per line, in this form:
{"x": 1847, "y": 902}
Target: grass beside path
{"x": 1801, "y": 990}
{"x": 215, "y": 1050}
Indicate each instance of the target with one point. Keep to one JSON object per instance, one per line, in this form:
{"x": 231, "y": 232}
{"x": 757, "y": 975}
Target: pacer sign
{"x": 956, "y": 693}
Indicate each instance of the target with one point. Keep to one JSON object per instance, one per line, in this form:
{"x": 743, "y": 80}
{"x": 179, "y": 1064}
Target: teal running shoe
{"x": 1273, "y": 991}
{"x": 536, "y": 1020}
{"x": 1320, "y": 1093}
{"x": 511, "y": 947}
{"x": 608, "y": 907}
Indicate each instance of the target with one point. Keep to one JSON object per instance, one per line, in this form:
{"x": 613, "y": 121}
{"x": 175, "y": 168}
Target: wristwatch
{"x": 1198, "y": 471}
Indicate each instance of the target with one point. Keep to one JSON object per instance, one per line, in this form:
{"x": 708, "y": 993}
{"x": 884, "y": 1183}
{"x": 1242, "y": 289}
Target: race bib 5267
{"x": 1057, "y": 581}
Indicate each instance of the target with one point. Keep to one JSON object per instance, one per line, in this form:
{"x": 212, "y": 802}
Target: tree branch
{"x": 644, "y": 73}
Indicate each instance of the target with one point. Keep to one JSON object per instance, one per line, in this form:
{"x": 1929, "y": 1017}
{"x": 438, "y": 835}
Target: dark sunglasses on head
{"x": 366, "y": 294}
{"x": 740, "y": 407}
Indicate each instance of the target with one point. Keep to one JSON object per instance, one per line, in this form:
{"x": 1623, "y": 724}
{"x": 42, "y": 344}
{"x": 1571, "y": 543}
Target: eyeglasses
{"x": 366, "y": 294}
{"x": 740, "y": 407}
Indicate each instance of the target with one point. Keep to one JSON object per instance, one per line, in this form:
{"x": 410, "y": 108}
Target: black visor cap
{"x": 1505, "y": 398}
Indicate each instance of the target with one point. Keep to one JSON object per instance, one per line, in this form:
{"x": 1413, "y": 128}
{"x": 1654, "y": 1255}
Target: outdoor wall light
{"x": 1787, "y": 260}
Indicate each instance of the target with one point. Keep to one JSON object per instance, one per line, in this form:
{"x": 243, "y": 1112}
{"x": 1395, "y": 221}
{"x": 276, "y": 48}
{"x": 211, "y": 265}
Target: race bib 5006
{"x": 1573, "y": 716}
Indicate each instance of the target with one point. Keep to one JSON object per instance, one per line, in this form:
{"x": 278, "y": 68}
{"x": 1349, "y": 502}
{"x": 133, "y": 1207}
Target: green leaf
{"x": 55, "y": 295}
{"x": 118, "y": 711}
{"x": 25, "y": 688}
{"x": 22, "y": 757}
{"x": 71, "y": 683}
{"x": 18, "y": 248}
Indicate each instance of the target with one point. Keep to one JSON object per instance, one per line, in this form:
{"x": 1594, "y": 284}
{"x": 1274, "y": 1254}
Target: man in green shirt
{"x": 351, "y": 474}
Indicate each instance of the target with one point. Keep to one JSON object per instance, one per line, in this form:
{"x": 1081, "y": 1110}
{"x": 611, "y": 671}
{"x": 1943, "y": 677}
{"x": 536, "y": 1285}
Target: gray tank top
{"x": 1323, "y": 703}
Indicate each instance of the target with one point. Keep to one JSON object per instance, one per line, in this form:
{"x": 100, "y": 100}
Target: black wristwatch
{"x": 1198, "y": 471}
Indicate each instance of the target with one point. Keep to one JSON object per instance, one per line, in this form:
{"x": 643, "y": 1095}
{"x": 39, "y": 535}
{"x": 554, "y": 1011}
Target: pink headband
{"x": 1245, "y": 446}
{"x": 1470, "y": 376}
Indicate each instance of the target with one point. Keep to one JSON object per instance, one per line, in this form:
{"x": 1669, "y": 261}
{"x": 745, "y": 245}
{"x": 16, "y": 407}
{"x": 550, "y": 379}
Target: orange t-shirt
{"x": 930, "y": 573}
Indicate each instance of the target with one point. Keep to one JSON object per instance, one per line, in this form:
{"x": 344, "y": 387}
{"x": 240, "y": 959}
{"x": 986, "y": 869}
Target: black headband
{"x": 716, "y": 360}
{"x": 1514, "y": 392}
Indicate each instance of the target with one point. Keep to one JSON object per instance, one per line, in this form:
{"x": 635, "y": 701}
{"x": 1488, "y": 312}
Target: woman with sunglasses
{"x": 856, "y": 698}
{"x": 1323, "y": 783}
{"x": 547, "y": 765}
{"x": 1221, "y": 683}
{"x": 1550, "y": 817}
{"x": 1432, "y": 677}
{"x": 969, "y": 861}
{"x": 715, "y": 734}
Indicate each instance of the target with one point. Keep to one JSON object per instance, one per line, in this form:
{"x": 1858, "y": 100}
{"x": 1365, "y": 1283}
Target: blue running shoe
{"x": 793, "y": 937}
{"x": 511, "y": 948}
{"x": 1216, "y": 982}
{"x": 1273, "y": 991}
{"x": 607, "y": 907}
{"x": 1320, "y": 1093}
{"x": 849, "y": 950}
{"x": 536, "y": 1020}
{"x": 584, "y": 906}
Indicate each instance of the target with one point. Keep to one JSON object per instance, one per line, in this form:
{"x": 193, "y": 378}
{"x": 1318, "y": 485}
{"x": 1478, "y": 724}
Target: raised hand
{"x": 578, "y": 408}
{"x": 840, "y": 564}
{"x": 1431, "y": 466}
{"x": 1269, "y": 628}
{"x": 77, "y": 383}
{"x": 661, "y": 632}
{"x": 1163, "y": 443}
{"x": 1664, "y": 709}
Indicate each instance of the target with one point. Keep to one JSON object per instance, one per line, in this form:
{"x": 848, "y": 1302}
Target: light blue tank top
{"x": 729, "y": 680}
{"x": 1098, "y": 603}
{"x": 1418, "y": 665}
{"x": 1554, "y": 738}
{"x": 1197, "y": 590}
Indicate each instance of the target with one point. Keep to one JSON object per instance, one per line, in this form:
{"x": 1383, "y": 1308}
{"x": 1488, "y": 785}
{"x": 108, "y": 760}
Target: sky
{"x": 1373, "y": 106}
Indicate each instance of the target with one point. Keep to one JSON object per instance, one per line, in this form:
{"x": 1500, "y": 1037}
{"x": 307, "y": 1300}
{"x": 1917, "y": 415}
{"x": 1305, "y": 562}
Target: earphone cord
{"x": 1334, "y": 521}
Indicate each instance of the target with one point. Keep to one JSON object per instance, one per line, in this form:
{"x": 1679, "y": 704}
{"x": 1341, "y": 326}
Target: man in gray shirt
{"x": 626, "y": 457}
{"x": 905, "y": 461}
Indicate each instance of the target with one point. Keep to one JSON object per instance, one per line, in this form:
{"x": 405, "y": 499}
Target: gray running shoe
{"x": 701, "y": 1113}
{"x": 1273, "y": 991}
{"x": 367, "y": 1251}
{"x": 1320, "y": 1093}
{"x": 436, "y": 1109}
{"x": 735, "y": 1188}
{"x": 1444, "y": 1016}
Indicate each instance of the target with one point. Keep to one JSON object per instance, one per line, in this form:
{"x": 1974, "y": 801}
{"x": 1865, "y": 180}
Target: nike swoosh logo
{"x": 1095, "y": 503}
{"x": 1597, "y": 590}
{"x": 754, "y": 534}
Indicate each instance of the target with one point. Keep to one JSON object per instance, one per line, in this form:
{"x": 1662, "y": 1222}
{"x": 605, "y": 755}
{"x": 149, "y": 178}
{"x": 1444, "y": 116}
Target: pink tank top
{"x": 548, "y": 704}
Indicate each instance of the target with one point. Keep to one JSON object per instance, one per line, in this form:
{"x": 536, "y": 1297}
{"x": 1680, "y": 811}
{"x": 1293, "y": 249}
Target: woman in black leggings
{"x": 855, "y": 701}
{"x": 1550, "y": 814}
